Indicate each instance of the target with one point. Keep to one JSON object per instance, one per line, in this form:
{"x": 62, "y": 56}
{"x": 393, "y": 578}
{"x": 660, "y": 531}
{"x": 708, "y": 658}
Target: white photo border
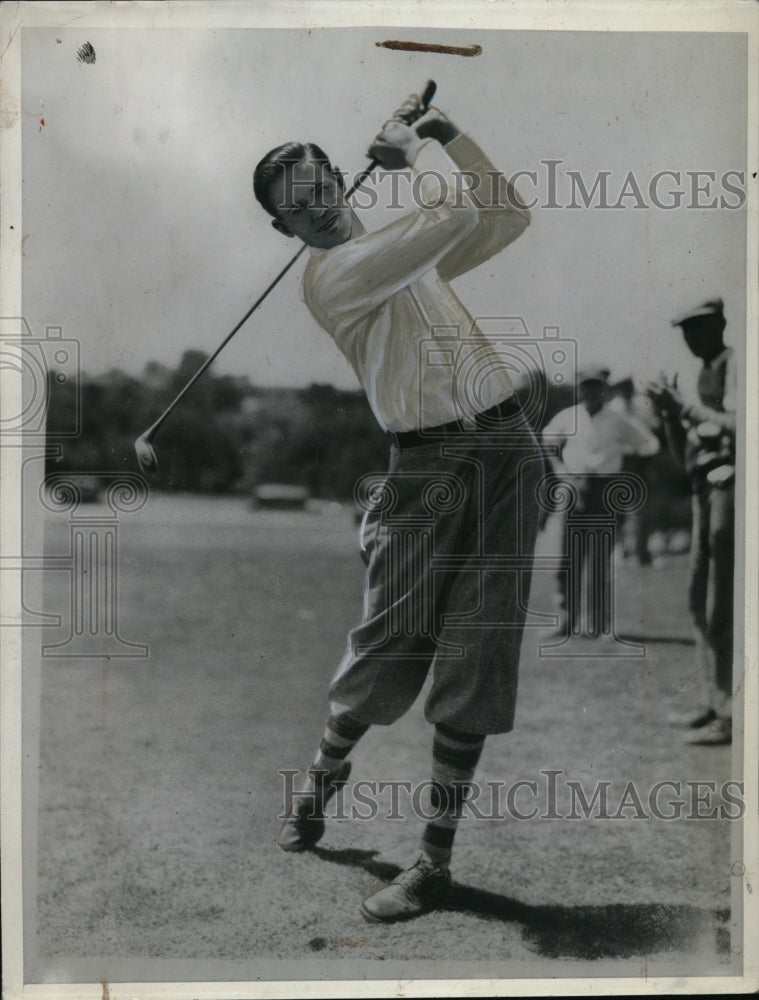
{"x": 468, "y": 16}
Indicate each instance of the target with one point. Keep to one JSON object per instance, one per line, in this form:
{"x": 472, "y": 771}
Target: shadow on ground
{"x": 615, "y": 930}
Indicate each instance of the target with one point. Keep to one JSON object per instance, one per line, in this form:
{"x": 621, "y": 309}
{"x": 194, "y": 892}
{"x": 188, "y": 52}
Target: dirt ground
{"x": 160, "y": 786}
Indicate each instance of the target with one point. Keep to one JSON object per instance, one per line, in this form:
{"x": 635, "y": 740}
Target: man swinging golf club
{"x": 442, "y": 393}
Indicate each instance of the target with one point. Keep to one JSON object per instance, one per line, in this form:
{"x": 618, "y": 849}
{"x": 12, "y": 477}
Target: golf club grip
{"x": 410, "y": 117}
{"x": 428, "y": 93}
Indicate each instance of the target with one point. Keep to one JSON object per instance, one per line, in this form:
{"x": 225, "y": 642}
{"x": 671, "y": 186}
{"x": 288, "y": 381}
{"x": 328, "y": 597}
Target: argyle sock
{"x": 454, "y": 758}
{"x": 341, "y": 734}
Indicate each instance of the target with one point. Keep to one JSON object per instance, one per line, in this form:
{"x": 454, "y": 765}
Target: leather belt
{"x": 455, "y": 428}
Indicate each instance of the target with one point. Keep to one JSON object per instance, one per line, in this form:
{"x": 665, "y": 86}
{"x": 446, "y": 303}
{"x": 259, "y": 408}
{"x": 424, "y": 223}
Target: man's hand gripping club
{"x": 396, "y": 145}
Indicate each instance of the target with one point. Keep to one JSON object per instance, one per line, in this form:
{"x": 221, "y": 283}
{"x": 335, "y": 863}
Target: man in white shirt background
{"x": 464, "y": 469}
{"x": 588, "y": 444}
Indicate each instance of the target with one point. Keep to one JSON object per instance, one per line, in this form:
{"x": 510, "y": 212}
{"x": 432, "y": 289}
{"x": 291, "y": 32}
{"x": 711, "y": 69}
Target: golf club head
{"x": 146, "y": 456}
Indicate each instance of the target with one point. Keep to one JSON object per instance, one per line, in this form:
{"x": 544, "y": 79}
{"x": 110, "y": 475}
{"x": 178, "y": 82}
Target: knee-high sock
{"x": 454, "y": 758}
{"x": 341, "y": 734}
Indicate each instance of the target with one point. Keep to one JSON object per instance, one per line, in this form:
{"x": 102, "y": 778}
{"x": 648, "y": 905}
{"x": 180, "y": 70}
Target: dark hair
{"x": 276, "y": 160}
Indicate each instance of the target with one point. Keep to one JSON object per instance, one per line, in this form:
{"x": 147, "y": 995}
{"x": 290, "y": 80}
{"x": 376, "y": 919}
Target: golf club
{"x": 143, "y": 446}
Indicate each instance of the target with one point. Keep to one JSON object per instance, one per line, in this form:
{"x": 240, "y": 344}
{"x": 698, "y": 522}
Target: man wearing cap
{"x": 588, "y": 443}
{"x": 702, "y": 435}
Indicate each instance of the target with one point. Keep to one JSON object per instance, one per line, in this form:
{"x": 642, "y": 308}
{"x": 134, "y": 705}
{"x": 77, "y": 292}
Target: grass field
{"x": 160, "y": 791}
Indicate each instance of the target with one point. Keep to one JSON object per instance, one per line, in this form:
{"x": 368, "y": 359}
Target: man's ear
{"x": 281, "y": 227}
{"x": 338, "y": 175}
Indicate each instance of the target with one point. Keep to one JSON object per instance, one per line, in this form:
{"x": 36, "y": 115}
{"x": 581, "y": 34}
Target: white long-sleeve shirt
{"x": 385, "y": 299}
{"x": 598, "y": 443}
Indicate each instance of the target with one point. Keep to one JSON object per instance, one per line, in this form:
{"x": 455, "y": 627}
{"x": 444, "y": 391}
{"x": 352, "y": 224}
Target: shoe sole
{"x": 705, "y": 741}
{"x": 692, "y": 722}
{"x": 710, "y": 737}
{"x": 372, "y": 919}
{"x": 298, "y": 848}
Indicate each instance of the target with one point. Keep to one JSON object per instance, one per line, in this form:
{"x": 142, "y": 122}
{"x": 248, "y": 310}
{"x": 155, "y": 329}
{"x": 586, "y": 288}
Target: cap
{"x": 713, "y": 308}
{"x": 593, "y": 373}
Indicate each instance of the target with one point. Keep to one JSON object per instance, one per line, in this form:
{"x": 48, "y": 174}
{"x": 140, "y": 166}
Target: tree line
{"x": 229, "y": 436}
{"x": 226, "y": 435}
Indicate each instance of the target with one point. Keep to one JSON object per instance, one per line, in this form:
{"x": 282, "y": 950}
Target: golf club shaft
{"x": 150, "y": 433}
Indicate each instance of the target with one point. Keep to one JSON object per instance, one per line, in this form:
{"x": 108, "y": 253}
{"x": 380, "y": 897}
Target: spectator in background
{"x": 587, "y": 444}
{"x": 702, "y": 435}
{"x": 625, "y": 400}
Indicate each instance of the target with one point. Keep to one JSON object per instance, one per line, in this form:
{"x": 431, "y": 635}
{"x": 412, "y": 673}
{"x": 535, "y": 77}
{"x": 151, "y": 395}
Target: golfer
{"x": 449, "y": 544}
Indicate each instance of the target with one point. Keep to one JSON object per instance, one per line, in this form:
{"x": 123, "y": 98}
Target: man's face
{"x": 592, "y": 395}
{"x": 703, "y": 336}
{"x": 311, "y": 205}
